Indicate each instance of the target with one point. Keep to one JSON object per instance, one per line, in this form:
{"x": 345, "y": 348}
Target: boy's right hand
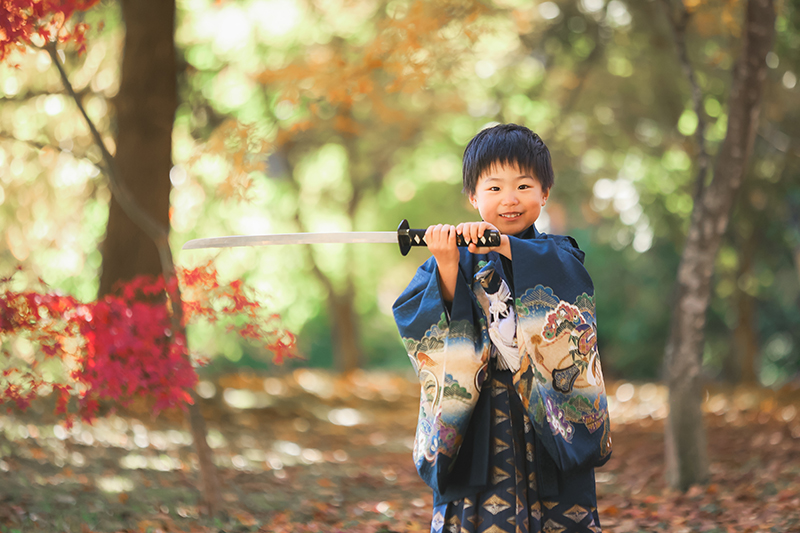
{"x": 441, "y": 240}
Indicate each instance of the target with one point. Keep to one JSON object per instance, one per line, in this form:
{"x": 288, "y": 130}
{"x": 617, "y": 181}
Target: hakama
{"x": 512, "y": 503}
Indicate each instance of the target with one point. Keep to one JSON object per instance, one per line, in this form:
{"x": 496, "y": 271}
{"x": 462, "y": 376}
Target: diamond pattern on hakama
{"x": 511, "y": 503}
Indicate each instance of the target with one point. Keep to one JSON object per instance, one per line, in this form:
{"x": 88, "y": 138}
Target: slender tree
{"x": 686, "y": 446}
{"x": 145, "y": 107}
{"x": 139, "y": 175}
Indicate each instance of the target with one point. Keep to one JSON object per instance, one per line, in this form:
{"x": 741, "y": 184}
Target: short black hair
{"x": 507, "y": 144}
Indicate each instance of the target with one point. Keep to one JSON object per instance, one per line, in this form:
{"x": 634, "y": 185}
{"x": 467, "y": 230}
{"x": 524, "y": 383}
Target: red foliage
{"x": 205, "y": 298}
{"x": 122, "y": 346}
{"x": 21, "y": 20}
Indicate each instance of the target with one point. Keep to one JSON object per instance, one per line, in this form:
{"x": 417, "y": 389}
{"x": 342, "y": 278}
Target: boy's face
{"x": 508, "y": 198}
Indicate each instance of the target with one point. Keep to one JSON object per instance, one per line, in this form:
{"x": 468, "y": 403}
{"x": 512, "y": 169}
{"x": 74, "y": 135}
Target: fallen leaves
{"x": 754, "y": 486}
{"x": 287, "y": 467}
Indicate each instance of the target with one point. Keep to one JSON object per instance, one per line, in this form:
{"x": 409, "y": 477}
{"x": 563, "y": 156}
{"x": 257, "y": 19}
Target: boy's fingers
{"x": 469, "y": 230}
{"x": 477, "y": 232}
{"x": 463, "y": 229}
{"x": 485, "y": 226}
{"x": 429, "y": 233}
{"x": 433, "y": 235}
{"x": 445, "y": 234}
{"x": 440, "y": 235}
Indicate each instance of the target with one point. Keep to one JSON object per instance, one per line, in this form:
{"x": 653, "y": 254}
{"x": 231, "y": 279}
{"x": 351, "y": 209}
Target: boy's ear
{"x": 473, "y": 201}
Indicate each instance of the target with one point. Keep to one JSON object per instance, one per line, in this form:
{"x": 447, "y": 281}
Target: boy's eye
{"x": 523, "y": 186}
{"x": 494, "y": 188}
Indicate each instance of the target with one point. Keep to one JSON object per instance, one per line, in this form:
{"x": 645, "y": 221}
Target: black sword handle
{"x": 407, "y": 238}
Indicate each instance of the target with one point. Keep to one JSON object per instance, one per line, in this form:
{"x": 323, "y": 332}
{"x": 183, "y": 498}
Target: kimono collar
{"x": 529, "y": 233}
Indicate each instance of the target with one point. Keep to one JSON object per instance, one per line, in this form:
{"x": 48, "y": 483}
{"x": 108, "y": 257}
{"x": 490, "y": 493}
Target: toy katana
{"x": 404, "y": 236}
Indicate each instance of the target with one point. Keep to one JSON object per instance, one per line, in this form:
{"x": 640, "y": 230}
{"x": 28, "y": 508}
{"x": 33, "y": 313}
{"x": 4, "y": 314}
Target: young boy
{"x": 513, "y": 414}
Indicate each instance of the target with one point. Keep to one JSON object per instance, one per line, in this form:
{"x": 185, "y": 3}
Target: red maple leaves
{"x": 205, "y": 298}
{"x": 23, "y": 20}
{"x": 122, "y": 346}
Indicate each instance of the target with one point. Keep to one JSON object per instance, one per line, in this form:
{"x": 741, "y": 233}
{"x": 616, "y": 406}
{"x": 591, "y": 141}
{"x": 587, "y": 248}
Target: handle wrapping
{"x": 407, "y": 237}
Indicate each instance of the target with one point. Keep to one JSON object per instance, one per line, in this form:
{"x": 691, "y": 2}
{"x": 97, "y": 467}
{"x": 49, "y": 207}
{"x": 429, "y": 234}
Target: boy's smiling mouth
{"x": 510, "y": 215}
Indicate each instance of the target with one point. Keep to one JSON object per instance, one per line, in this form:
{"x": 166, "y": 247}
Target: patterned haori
{"x": 509, "y": 443}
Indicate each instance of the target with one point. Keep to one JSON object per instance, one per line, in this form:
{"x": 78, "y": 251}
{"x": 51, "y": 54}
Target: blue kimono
{"x": 511, "y": 425}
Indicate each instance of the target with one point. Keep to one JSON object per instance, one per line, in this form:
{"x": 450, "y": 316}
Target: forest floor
{"x": 313, "y": 451}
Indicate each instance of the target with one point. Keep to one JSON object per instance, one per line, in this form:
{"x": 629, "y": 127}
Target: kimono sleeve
{"x": 449, "y": 355}
{"x": 561, "y": 381}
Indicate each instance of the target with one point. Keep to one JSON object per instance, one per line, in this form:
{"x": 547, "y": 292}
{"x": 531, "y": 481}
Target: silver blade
{"x": 351, "y": 237}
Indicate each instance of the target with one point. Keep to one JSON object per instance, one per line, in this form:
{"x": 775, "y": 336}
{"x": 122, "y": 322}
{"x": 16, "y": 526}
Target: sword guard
{"x": 407, "y": 237}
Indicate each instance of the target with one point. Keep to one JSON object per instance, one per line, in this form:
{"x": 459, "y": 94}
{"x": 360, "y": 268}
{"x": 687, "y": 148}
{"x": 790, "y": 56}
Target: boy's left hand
{"x": 472, "y": 231}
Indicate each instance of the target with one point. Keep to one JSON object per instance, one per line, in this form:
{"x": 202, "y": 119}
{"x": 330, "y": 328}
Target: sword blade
{"x": 353, "y": 237}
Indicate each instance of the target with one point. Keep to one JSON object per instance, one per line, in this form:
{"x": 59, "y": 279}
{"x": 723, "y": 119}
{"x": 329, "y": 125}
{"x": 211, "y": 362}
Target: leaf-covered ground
{"x": 310, "y": 451}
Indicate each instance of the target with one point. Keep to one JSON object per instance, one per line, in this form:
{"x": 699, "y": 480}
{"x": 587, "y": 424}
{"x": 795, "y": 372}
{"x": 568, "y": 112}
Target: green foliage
{"x": 312, "y": 117}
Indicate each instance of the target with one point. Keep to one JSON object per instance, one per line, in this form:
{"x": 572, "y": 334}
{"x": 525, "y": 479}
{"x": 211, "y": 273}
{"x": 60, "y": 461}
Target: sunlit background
{"x": 334, "y": 144}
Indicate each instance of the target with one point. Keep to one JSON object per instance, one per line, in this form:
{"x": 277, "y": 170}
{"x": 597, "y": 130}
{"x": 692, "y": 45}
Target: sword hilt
{"x": 407, "y": 238}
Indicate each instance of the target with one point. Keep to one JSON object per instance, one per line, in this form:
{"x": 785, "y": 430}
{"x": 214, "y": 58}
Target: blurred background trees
{"x": 346, "y": 115}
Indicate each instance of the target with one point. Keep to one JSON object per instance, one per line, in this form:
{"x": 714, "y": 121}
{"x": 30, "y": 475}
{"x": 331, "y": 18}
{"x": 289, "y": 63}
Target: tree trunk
{"x": 344, "y": 320}
{"x": 741, "y": 364}
{"x": 347, "y": 353}
{"x": 794, "y": 220}
{"x": 797, "y": 260}
{"x": 745, "y": 337}
{"x": 209, "y": 477}
{"x": 686, "y": 447}
{"x": 145, "y": 107}
{"x": 344, "y": 323}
